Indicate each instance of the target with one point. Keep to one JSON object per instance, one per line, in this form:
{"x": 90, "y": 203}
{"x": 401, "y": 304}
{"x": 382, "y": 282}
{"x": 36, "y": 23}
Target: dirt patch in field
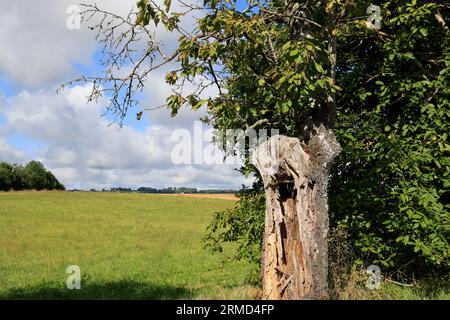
{"x": 223, "y": 196}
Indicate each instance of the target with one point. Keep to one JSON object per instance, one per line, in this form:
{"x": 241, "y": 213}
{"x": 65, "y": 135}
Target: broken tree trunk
{"x": 295, "y": 176}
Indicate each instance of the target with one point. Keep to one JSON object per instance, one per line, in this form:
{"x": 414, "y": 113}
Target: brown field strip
{"x": 222, "y": 196}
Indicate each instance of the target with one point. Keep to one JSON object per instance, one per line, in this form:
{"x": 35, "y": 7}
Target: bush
{"x": 242, "y": 225}
{"x": 389, "y": 190}
{"x": 6, "y": 176}
{"x": 32, "y": 176}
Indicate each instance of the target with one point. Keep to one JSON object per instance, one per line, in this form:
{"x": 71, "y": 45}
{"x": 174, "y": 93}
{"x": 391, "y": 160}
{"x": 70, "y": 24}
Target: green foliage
{"x": 12, "y": 177}
{"x": 32, "y": 176}
{"x": 149, "y": 11}
{"x": 6, "y": 176}
{"x": 390, "y": 186}
{"x": 35, "y": 176}
{"x": 243, "y": 224}
{"x": 260, "y": 70}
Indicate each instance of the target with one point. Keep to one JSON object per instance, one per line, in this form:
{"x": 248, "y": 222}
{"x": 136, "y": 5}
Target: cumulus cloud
{"x": 70, "y": 136}
{"x": 38, "y": 48}
{"x": 83, "y": 150}
{"x": 10, "y": 154}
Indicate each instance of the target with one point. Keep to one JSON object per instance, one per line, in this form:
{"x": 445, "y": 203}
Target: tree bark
{"x": 295, "y": 175}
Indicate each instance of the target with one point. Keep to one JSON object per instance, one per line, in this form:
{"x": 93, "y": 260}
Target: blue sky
{"x": 69, "y": 136}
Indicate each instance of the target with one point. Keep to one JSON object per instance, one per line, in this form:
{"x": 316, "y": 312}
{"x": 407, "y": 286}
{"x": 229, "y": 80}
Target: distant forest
{"x": 170, "y": 190}
{"x": 32, "y": 176}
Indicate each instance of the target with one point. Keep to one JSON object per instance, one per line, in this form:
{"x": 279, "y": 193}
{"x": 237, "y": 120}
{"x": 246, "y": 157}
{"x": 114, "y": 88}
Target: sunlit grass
{"x": 128, "y": 246}
{"x": 437, "y": 288}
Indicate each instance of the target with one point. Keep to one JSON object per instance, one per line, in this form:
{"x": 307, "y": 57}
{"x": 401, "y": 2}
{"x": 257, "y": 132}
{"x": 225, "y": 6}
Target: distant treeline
{"x": 171, "y": 190}
{"x": 33, "y": 176}
{"x": 182, "y": 190}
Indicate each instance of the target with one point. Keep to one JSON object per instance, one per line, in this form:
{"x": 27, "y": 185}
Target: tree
{"x": 52, "y": 182}
{"x": 274, "y": 64}
{"x": 6, "y": 176}
{"x": 389, "y": 186}
{"x": 19, "y": 177}
{"x": 35, "y": 176}
{"x": 32, "y": 176}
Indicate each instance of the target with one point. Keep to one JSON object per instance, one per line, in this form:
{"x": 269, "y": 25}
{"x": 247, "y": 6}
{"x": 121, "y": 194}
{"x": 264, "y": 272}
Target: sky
{"x": 70, "y": 136}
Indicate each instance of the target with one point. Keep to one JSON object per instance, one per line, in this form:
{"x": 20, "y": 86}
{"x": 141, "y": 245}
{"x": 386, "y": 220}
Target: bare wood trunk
{"x": 295, "y": 256}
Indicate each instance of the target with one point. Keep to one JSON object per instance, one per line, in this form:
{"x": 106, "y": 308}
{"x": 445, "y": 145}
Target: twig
{"x": 291, "y": 17}
{"x": 399, "y": 283}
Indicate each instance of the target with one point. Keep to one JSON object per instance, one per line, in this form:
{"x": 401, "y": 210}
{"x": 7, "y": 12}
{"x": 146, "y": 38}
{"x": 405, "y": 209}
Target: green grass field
{"x": 132, "y": 246}
{"x": 128, "y": 246}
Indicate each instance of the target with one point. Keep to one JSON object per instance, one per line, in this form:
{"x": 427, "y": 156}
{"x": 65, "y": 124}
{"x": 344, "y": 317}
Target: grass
{"x": 424, "y": 289}
{"x": 128, "y": 246}
{"x": 132, "y": 246}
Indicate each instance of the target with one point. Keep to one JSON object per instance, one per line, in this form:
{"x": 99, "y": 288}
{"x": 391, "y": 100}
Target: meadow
{"x": 128, "y": 246}
{"x": 135, "y": 246}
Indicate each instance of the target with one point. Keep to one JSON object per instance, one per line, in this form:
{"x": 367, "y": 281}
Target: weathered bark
{"x": 295, "y": 175}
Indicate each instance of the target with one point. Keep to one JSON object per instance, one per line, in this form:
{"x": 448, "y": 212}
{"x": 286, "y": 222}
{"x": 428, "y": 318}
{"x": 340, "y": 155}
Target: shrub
{"x": 32, "y": 176}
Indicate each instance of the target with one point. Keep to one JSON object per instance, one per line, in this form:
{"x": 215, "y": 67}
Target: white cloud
{"x": 84, "y": 151}
{"x": 37, "y": 47}
{"x": 10, "y": 154}
{"x": 39, "y": 50}
{"x": 75, "y": 142}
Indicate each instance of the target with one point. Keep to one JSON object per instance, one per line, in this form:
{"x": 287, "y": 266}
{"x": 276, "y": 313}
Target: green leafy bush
{"x": 390, "y": 186}
{"x": 389, "y": 189}
{"x": 242, "y": 225}
{"x": 32, "y": 176}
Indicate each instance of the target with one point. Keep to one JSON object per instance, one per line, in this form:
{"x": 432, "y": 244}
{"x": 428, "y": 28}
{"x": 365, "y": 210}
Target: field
{"x": 131, "y": 246}
{"x": 128, "y": 246}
